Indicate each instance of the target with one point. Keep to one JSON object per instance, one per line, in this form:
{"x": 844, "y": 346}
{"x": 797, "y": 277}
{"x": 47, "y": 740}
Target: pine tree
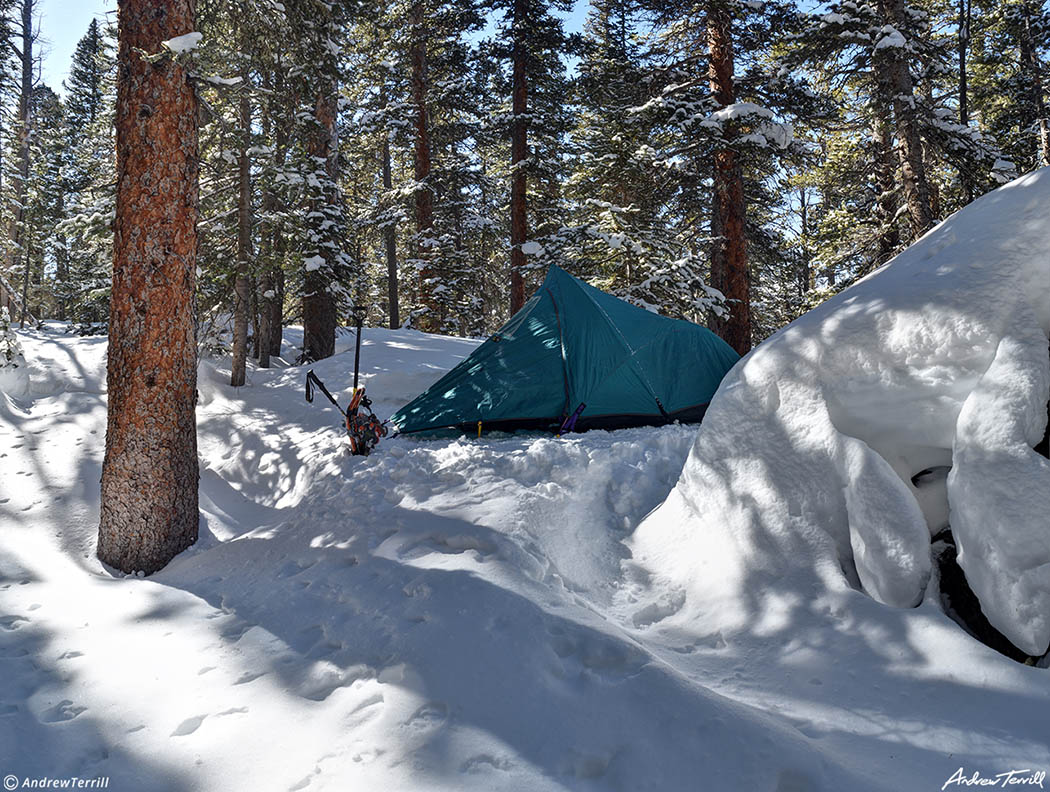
{"x": 89, "y": 178}
{"x": 326, "y": 266}
{"x": 532, "y": 41}
{"x": 149, "y": 474}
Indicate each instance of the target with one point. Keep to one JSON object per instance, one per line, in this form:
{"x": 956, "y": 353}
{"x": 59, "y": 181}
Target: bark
{"x": 885, "y": 181}
{"x": 274, "y": 306}
{"x": 1031, "y": 69}
{"x": 964, "y": 105}
{"x": 277, "y": 308}
{"x": 262, "y": 338}
{"x": 150, "y": 473}
{"x": 390, "y": 242}
{"x": 319, "y": 308}
{"x": 24, "y": 104}
{"x": 729, "y": 268}
{"x": 519, "y": 153}
{"x": 242, "y": 283}
{"x": 62, "y": 264}
{"x": 891, "y": 66}
{"x": 431, "y": 320}
{"x": 253, "y": 290}
{"x": 805, "y": 275}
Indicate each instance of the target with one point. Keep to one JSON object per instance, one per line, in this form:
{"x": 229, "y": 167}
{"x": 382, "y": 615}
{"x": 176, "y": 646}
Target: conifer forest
{"x": 734, "y": 163}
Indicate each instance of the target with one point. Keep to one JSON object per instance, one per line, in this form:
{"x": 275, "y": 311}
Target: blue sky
{"x": 64, "y": 22}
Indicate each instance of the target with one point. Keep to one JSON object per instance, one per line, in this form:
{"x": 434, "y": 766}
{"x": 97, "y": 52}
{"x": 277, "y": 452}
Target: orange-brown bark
{"x": 319, "y": 308}
{"x": 729, "y": 268}
{"x": 150, "y": 473}
{"x": 519, "y": 153}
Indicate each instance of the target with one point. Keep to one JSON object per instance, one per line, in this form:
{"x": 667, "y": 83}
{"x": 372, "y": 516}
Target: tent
{"x": 576, "y": 358}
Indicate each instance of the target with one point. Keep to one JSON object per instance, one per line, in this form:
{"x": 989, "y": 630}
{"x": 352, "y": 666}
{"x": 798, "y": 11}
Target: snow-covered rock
{"x": 821, "y": 462}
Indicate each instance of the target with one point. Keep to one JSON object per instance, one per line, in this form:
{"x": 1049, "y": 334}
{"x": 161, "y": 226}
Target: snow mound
{"x": 822, "y": 461}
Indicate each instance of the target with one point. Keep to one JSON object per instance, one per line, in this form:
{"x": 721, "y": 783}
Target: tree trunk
{"x": 150, "y": 473}
{"x": 891, "y": 65}
{"x": 319, "y": 308}
{"x": 885, "y": 180}
{"x": 390, "y": 240}
{"x": 262, "y": 337}
{"x": 277, "y": 307}
{"x": 62, "y": 264}
{"x": 1033, "y": 84}
{"x": 431, "y": 320}
{"x": 805, "y": 275}
{"x": 21, "y": 187}
{"x": 519, "y": 153}
{"x": 964, "y": 106}
{"x": 729, "y": 269}
{"x": 242, "y": 283}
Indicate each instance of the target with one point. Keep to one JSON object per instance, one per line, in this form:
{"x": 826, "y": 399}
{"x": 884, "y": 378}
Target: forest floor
{"x": 442, "y": 615}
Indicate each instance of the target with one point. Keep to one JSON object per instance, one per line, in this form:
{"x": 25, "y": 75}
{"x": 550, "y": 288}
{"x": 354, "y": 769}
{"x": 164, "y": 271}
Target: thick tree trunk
{"x": 431, "y": 320}
{"x": 21, "y": 187}
{"x": 150, "y": 473}
{"x": 729, "y": 269}
{"x": 519, "y": 154}
{"x": 242, "y": 282}
{"x": 891, "y": 64}
{"x": 319, "y": 308}
{"x": 390, "y": 242}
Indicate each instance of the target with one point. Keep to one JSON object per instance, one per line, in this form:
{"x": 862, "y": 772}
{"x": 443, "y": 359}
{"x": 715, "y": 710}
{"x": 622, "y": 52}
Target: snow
{"x": 540, "y": 613}
{"x": 800, "y": 479}
{"x": 187, "y": 42}
{"x": 225, "y": 81}
{"x": 14, "y": 374}
{"x": 531, "y": 248}
{"x": 314, "y": 263}
{"x": 891, "y": 38}
{"x": 741, "y": 110}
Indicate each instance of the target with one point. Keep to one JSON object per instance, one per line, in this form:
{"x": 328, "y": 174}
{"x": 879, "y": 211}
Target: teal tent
{"x": 576, "y": 358}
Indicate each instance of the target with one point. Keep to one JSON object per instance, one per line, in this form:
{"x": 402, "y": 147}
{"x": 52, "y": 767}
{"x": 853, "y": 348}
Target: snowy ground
{"x": 443, "y": 615}
{"x": 537, "y": 613}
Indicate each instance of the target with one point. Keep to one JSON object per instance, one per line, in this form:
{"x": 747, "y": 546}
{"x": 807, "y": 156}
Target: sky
{"x": 62, "y": 24}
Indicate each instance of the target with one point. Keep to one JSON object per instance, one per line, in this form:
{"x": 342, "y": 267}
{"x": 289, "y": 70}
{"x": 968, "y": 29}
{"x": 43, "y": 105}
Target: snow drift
{"x": 825, "y": 455}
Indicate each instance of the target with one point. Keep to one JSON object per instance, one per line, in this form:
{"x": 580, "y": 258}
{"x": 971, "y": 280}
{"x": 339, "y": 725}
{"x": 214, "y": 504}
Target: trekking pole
{"x": 358, "y": 312}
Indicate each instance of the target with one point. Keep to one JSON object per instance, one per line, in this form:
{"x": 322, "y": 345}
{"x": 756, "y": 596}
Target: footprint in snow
{"x": 293, "y": 568}
{"x": 483, "y": 763}
{"x": 431, "y": 715}
{"x": 12, "y": 622}
{"x": 63, "y": 711}
{"x": 247, "y": 676}
{"x": 189, "y": 726}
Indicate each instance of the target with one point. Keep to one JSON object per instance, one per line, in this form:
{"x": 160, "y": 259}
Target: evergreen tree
{"x": 149, "y": 473}
{"x": 89, "y": 179}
